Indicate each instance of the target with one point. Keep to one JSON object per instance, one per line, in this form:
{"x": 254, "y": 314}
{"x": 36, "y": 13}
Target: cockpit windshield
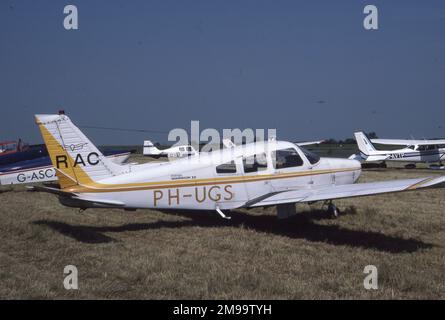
{"x": 312, "y": 157}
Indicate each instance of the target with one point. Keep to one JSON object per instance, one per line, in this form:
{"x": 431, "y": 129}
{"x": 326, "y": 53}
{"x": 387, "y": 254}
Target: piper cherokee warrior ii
{"x": 258, "y": 174}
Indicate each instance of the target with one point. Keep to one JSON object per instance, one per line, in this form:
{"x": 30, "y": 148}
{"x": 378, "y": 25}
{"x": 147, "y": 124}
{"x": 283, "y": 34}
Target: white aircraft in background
{"x": 44, "y": 172}
{"x": 178, "y": 152}
{"x": 415, "y": 151}
{"x": 175, "y": 152}
{"x": 267, "y": 173}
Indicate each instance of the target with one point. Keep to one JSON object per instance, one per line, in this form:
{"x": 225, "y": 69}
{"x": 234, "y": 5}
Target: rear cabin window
{"x": 228, "y": 167}
{"x": 255, "y": 163}
{"x": 286, "y": 158}
{"x": 427, "y": 147}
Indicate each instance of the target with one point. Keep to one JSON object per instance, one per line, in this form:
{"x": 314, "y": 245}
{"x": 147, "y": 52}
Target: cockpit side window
{"x": 286, "y": 158}
{"x": 255, "y": 163}
{"x": 429, "y": 147}
{"x": 228, "y": 167}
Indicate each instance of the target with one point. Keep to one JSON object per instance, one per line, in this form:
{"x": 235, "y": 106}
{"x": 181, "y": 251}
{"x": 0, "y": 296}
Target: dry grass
{"x": 150, "y": 254}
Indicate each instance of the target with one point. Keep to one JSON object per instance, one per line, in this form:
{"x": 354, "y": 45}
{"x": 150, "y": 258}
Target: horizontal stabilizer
{"x": 101, "y": 202}
{"x": 72, "y": 199}
{"x": 55, "y": 191}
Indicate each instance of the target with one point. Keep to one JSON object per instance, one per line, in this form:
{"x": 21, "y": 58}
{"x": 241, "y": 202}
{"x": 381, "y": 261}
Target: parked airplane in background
{"x": 41, "y": 170}
{"x": 266, "y": 173}
{"x": 178, "y": 152}
{"x": 416, "y": 151}
{"x": 15, "y": 151}
{"x": 172, "y": 153}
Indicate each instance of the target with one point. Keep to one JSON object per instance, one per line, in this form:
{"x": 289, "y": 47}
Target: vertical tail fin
{"x": 365, "y": 146}
{"x": 76, "y": 160}
{"x": 150, "y": 149}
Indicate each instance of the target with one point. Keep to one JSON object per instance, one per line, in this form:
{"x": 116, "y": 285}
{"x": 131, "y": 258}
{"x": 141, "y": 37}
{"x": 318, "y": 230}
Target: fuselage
{"x": 414, "y": 154}
{"x": 224, "y": 179}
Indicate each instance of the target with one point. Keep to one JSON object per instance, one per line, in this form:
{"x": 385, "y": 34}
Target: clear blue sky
{"x": 307, "y": 68}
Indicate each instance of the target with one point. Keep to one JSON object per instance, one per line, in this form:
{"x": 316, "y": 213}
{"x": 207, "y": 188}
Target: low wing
{"x": 346, "y": 191}
{"x": 376, "y": 158}
{"x": 357, "y": 157}
{"x": 365, "y": 158}
{"x": 308, "y": 143}
{"x": 407, "y": 142}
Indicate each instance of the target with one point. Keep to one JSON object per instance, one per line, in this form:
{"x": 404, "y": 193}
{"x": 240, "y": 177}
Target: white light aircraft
{"x": 178, "y": 152}
{"x": 175, "y": 152}
{"x": 43, "y": 173}
{"x": 415, "y": 151}
{"x": 253, "y": 175}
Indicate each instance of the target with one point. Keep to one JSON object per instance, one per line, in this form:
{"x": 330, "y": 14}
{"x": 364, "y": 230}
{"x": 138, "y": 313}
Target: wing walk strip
{"x": 261, "y": 198}
{"x": 98, "y": 187}
{"x": 420, "y": 183}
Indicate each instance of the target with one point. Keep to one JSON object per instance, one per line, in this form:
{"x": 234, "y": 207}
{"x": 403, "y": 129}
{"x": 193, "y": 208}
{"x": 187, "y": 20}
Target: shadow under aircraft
{"x": 302, "y": 226}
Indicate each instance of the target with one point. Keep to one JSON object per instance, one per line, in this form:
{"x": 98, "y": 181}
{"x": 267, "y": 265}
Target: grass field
{"x": 149, "y": 254}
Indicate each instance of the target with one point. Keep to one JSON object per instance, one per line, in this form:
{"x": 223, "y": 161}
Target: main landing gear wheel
{"x": 333, "y": 211}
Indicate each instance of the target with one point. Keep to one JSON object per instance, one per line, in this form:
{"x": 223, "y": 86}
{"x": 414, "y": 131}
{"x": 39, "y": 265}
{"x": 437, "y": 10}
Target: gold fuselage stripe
{"x": 98, "y": 187}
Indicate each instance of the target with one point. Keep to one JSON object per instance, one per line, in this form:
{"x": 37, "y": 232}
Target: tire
{"x": 333, "y": 211}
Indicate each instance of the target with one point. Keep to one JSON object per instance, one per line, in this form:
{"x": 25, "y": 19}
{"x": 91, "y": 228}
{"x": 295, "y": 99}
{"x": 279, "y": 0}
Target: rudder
{"x": 365, "y": 146}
